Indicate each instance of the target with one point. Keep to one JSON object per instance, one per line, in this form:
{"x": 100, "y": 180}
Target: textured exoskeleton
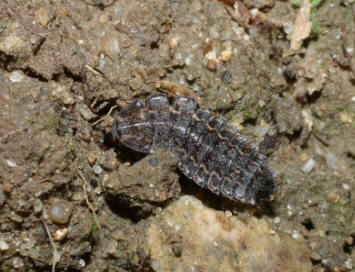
{"x": 214, "y": 155}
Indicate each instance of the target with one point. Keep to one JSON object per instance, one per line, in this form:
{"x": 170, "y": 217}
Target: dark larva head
{"x": 261, "y": 189}
{"x": 112, "y": 138}
{"x": 133, "y": 128}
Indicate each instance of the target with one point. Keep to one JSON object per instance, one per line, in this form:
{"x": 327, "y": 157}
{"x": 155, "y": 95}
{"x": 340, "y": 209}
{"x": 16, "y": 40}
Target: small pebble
{"x": 17, "y": 263}
{"x": 11, "y": 43}
{"x": 37, "y": 206}
{"x": 104, "y": 18}
{"x": 106, "y": 177}
{"x": 97, "y": 169}
{"x": 6, "y": 186}
{"x": 315, "y": 256}
{"x": 60, "y": 211}
{"x": 308, "y": 166}
{"x": 303, "y": 157}
{"x": 15, "y": 217}
{"x": 41, "y": 16}
{"x": 228, "y": 213}
{"x": 11, "y": 163}
{"x": 92, "y": 157}
{"x": 81, "y": 263}
{"x": 110, "y": 46}
{"x": 188, "y": 60}
{"x": 346, "y": 187}
{"x": 348, "y": 264}
{"x": 60, "y": 234}
{"x": 226, "y": 55}
{"x": 86, "y": 112}
{"x": 211, "y": 55}
{"x": 3, "y": 245}
{"x": 16, "y": 76}
{"x": 173, "y": 42}
{"x": 63, "y": 94}
{"x": 295, "y": 235}
{"x": 211, "y": 65}
{"x": 345, "y": 118}
{"x": 333, "y": 197}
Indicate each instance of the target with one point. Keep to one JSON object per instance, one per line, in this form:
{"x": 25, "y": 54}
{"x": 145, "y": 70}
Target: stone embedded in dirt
{"x": 63, "y": 93}
{"x": 110, "y": 45}
{"x": 147, "y": 183}
{"x": 86, "y": 112}
{"x": 59, "y": 211}
{"x": 41, "y": 16}
{"x": 3, "y": 245}
{"x": 287, "y": 114}
{"x": 13, "y": 45}
{"x": 189, "y": 236}
{"x": 60, "y": 234}
{"x": 92, "y": 157}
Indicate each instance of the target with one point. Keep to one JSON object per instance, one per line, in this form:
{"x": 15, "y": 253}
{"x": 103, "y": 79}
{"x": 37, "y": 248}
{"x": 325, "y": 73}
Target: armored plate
{"x": 212, "y": 154}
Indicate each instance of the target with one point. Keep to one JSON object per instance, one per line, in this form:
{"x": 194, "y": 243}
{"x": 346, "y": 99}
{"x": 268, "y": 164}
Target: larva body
{"x": 212, "y": 154}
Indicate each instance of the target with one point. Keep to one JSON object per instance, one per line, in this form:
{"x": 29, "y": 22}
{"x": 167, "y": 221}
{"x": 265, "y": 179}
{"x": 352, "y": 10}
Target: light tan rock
{"x": 189, "y": 236}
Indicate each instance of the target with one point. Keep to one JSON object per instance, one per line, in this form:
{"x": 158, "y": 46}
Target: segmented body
{"x": 214, "y": 155}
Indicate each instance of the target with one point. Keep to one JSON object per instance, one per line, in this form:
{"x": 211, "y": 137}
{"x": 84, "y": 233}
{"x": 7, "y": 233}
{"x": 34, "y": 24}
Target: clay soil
{"x": 68, "y": 67}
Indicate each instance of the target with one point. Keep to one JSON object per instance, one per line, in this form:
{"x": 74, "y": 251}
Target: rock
{"x": 92, "y": 157}
{"x": 309, "y": 165}
{"x": 311, "y": 76}
{"x": 110, "y": 45}
{"x": 97, "y": 169}
{"x": 146, "y": 184}
{"x": 173, "y": 42}
{"x": 59, "y": 211}
{"x": 81, "y": 224}
{"x": 11, "y": 163}
{"x": 16, "y": 76}
{"x": 63, "y": 93}
{"x": 287, "y": 114}
{"x": 81, "y": 249}
{"x": 189, "y": 236}
{"x": 226, "y": 55}
{"x": 60, "y": 234}
{"x": 3, "y": 245}
{"x": 86, "y": 112}
{"x": 211, "y": 65}
{"x": 12, "y": 45}
{"x": 41, "y": 16}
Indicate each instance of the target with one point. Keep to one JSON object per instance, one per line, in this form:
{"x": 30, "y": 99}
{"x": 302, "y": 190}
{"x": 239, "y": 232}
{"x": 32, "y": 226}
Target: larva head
{"x": 262, "y": 189}
{"x": 133, "y": 128}
{"x": 112, "y": 138}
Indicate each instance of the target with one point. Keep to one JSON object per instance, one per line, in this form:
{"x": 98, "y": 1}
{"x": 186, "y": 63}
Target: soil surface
{"x": 69, "y": 203}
